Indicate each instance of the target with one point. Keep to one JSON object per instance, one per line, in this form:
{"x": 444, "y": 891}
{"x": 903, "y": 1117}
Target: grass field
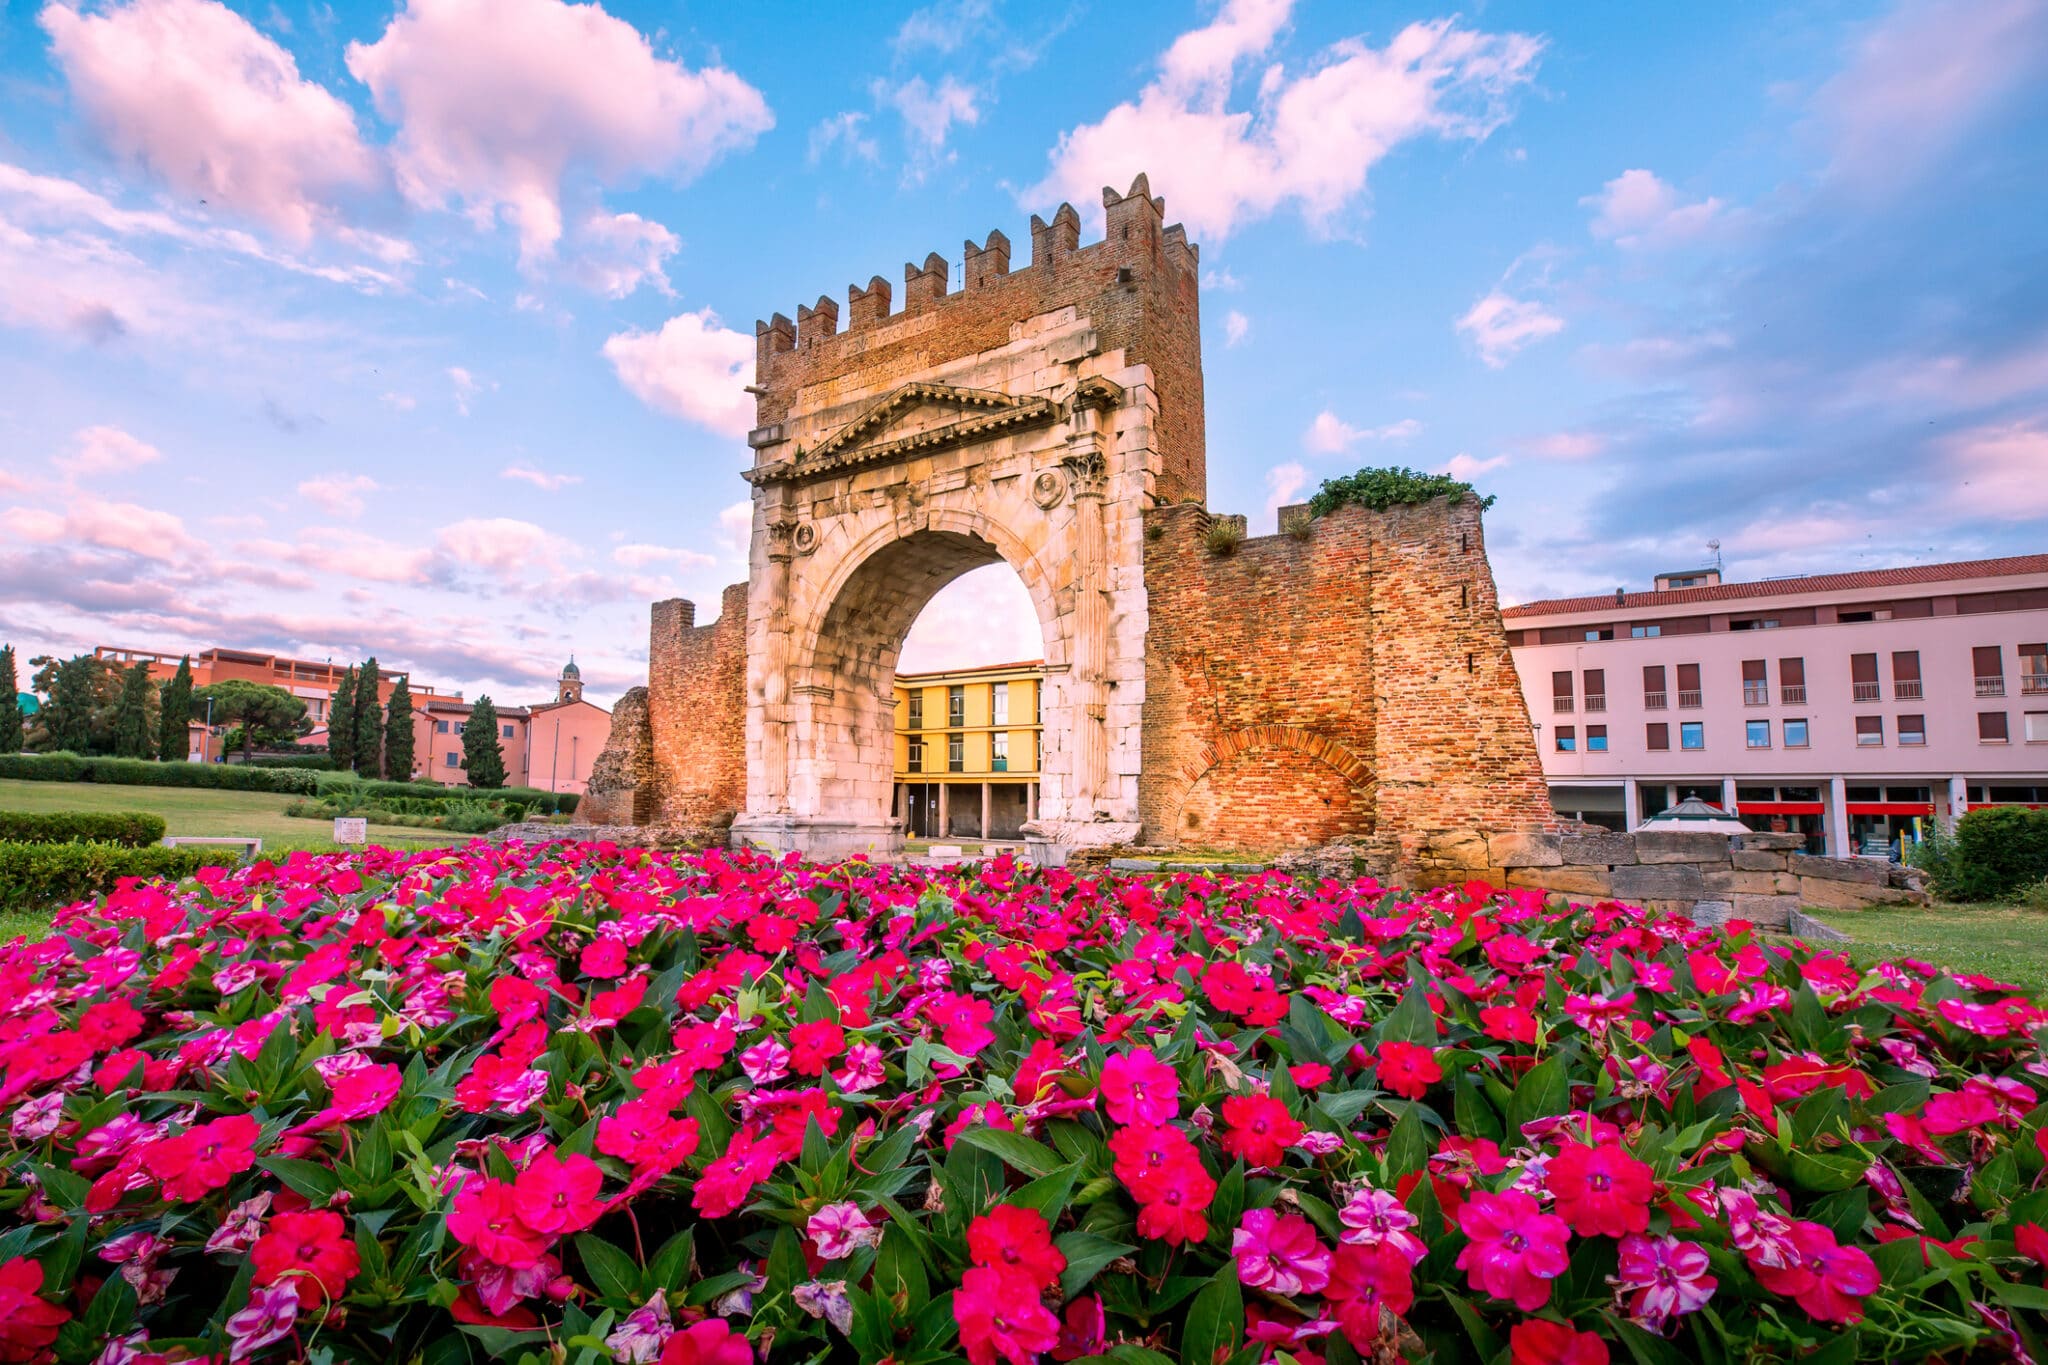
{"x": 2006, "y": 941}
{"x": 192, "y": 810}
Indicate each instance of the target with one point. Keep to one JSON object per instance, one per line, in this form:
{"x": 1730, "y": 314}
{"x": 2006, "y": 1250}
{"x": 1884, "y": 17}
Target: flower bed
{"x": 581, "y": 1103}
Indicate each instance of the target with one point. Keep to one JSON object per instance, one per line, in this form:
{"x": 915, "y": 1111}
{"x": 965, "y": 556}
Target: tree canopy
{"x": 398, "y": 733}
{"x": 482, "y": 753}
{"x": 174, "y": 715}
{"x": 268, "y": 716}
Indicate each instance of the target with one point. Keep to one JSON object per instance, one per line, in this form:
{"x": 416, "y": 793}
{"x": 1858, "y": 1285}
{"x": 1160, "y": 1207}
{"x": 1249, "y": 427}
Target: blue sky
{"x": 421, "y": 330}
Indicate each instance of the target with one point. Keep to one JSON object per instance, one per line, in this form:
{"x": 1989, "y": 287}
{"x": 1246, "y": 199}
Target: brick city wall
{"x": 1139, "y": 288}
{"x": 696, "y": 693}
{"x": 1349, "y": 681}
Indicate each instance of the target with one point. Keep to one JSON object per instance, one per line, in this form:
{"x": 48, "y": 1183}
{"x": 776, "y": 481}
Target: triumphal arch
{"x": 1049, "y": 416}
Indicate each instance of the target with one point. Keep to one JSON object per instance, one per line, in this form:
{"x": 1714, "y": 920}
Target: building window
{"x": 1795, "y": 734}
{"x": 1692, "y": 734}
{"x": 1989, "y": 666}
{"x": 1561, "y": 690}
{"x": 1603, "y": 633}
{"x": 460, "y": 725}
{"x": 999, "y": 750}
{"x": 1757, "y": 734}
{"x": 1596, "y": 739}
{"x": 1863, "y": 685}
{"x": 999, "y": 702}
{"x": 915, "y": 763}
{"x": 956, "y": 706}
{"x": 916, "y": 708}
{"x": 956, "y": 753}
{"x": 1912, "y": 730}
{"x": 1756, "y": 683}
{"x": 1596, "y": 689}
{"x": 1754, "y": 623}
{"x": 1653, "y": 687}
{"x": 1644, "y": 632}
{"x": 2037, "y": 727}
{"x": 1689, "y": 686}
{"x": 440, "y": 727}
{"x": 1905, "y": 675}
{"x": 508, "y": 732}
{"x": 1991, "y": 728}
{"x": 1792, "y": 681}
{"x": 2034, "y": 670}
{"x": 451, "y": 759}
{"x": 1657, "y": 735}
{"x": 1567, "y": 739}
{"x": 1869, "y": 730}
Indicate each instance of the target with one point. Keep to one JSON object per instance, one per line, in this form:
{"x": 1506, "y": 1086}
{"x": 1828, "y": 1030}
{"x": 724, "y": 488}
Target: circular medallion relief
{"x": 806, "y": 537}
{"x": 1048, "y": 488}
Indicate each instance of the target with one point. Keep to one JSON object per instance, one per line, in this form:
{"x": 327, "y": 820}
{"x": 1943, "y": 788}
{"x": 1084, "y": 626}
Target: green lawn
{"x": 191, "y": 810}
{"x": 2006, "y": 941}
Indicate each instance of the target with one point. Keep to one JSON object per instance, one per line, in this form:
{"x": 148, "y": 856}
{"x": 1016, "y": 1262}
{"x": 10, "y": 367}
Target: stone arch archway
{"x": 1223, "y": 786}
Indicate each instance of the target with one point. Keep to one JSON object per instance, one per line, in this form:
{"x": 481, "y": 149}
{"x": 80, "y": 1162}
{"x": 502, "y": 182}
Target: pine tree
{"x": 172, "y": 725}
{"x": 369, "y": 722}
{"x": 341, "y": 723}
{"x": 131, "y": 714}
{"x": 10, "y": 703}
{"x": 398, "y": 733}
{"x": 67, "y": 720}
{"x": 481, "y": 752}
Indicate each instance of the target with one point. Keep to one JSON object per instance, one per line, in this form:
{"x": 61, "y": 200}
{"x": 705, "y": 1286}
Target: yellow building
{"x": 967, "y": 751}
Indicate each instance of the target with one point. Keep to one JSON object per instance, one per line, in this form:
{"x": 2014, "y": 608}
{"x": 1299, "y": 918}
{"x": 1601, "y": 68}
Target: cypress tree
{"x": 341, "y": 723}
{"x": 369, "y": 722}
{"x": 131, "y": 714}
{"x": 68, "y": 717}
{"x": 172, "y": 742}
{"x": 481, "y": 751}
{"x": 10, "y": 703}
{"x": 398, "y": 733}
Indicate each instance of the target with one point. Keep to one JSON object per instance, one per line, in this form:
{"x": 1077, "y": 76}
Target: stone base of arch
{"x": 819, "y": 838}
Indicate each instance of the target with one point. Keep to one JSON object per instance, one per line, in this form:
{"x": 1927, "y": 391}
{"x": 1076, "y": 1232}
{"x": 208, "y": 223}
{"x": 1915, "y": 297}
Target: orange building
{"x": 550, "y": 745}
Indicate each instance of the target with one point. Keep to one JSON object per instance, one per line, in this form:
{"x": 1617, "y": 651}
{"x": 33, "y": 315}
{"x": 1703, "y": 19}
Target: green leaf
{"x": 1215, "y": 1322}
{"x": 611, "y": 1270}
{"x": 1344, "y": 1105}
{"x": 1228, "y": 1205}
{"x": 1086, "y": 1254}
{"x": 310, "y": 1179}
{"x": 1411, "y": 1021}
{"x": 1475, "y": 1115}
{"x": 1484, "y": 1340}
{"x": 1825, "y": 1172}
{"x": 899, "y": 1273}
{"x": 1407, "y": 1146}
{"x": 1047, "y": 1195}
{"x": 671, "y": 1264}
{"x": 1544, "y": 1092}
{"x": 1018, "y": 1152}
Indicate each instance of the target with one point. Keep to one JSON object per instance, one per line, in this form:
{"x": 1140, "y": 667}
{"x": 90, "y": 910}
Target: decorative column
{"x": 1631, "y": 806}
{"x": 1838, "y": 819}
{"x": 986, "y": 812}
{"x": 1087, "y": 682}
{"x": 774, "y": 664}
{"x": 945, "y": 830}
{"x": 1958, "y": 800}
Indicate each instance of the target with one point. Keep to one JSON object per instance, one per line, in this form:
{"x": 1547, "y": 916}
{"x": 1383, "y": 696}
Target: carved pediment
{"x": 917, "y": 418}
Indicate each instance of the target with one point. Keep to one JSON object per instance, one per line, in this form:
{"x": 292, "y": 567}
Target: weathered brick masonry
{"x": 696, "y": 721}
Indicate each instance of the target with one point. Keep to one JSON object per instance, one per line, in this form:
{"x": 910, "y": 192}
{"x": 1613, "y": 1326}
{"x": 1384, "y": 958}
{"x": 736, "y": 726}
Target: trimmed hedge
{"x": 544, "y": 803}
{"x": 1997, "y": 851}
{"x": 319, "y": 763}
{"x": 36, "y": 876}
{"x": 135, "y": 772}
{"x": 130, "y": 828}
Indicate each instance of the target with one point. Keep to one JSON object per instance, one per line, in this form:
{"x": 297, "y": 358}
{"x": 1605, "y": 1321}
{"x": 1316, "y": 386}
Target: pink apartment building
{"x": 550, "y": 746}
{"x": 1840, "y": 706}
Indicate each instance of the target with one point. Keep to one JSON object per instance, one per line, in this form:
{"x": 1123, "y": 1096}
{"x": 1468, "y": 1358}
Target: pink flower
{"x": 1377, "y": 1218}
{"x": 1001, "y": 1318}
{"x": 1516, "y": 1248}
{"x": 1083, "y": 1332}
{"x": 641, "y": 1335}
{"x": 203, "y": 1158}
{"x": 1139, "y": 1088}
{"x": 269, "y": 1317}
{"x": 1408, "y": 1069}
{"x": 1669, "y": 1276}
{"x": 1259, "y": 1129}
{"x": 243, "y": 1225}
{"x": 1540, "y": 1341}
{"x": 1759, "y": 1232}
{"x": 1280, "y": 1254}
{"x": 1019, "y": 1240}
{"x": 1958, "y": 1111}
{"x": 1829, "y": 1281}
{"x": 712, "y": 1342}
{"x": 486, "y": 1217}
{"x": 765, "y": 1062}
{"x": 28, "y": 1322}
{"x": 557, "y": 1193}
{"x": 839, "y": 1230}
{"x": 1600, "y": 1191}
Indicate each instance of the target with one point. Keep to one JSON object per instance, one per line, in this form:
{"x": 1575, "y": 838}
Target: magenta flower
{"x": 1139, "y": 1088}
{"x": 1516, "y": 1249}
{"x": 1377, "y": 1218}
{"x": 269, "y": 1317}
{"x": 765, "y": 1061}
{"x": 1669, "y": 1278}
{"x": 1279, "y": 1253}
{"x": 839, "y": 1230}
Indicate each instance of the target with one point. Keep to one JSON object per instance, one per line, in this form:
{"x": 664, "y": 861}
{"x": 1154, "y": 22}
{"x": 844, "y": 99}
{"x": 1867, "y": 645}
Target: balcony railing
{"x": 1866, "y": 691}
{"x": 1906, "y": 691}
{"x": 1653, "y": 701}
{"x": 1689, "y": 701}
{"x": 1756, "y": 694}
{"x": 1991, "y": 687}
{"x": 1596, "y": 701}
{"x": 2034, "y": 684}
{"x": 1561, "y": 704}
{"x": 1793, "y": 694}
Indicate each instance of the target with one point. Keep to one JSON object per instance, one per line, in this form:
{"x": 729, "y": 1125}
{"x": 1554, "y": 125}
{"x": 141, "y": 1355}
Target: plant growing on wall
{"x": 1379, "y": 489}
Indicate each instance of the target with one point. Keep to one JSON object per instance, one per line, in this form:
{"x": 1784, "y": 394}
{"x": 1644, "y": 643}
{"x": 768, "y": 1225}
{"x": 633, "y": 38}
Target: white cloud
{"x": 1636, "y": 209}
{"x": 618, "y": 252}
{"x": 844, "y": 132}
{"x": 466, "y": 387}
{"x": 213, "y": 108}
{"x": 1330, "y": 434}
{"x": 341, "y": 495}
{"x": 539, "y": 478}
{"x": 106, "y": 450}
{"x": 1463, "y": 466}
{"x": 637, "y": 556}
{"x": 1236, "y": 327}
{"x": 145, "y": 531}
{"x": 693, "y": 368}
{"x": 500, "y": 103}
{"x": 1284, "y": 483}
{"x": 736, "y": 529}
{"x": 1500, "y": 325}
{"x": 505, "y": 546}
{"x": 1566, "y": 445}
{"x": 403, "y": 402}
{"x": 1221, "y": 279}
{"x": 929, "y": 111}
{"x": 2000, "y": 472}
{"x": 984, "y": 616}
{"x": 1311, "y": 139}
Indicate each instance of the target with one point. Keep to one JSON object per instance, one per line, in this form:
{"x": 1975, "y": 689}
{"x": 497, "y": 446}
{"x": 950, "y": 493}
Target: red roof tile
{"x": 1779, "y": 587}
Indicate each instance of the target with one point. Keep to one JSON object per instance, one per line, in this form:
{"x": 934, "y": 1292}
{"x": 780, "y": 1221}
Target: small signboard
{"x": 351, "y": 829}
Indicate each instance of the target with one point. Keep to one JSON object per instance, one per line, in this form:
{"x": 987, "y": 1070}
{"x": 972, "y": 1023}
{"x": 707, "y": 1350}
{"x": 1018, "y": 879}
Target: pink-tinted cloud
{"x": 1284, "y": 485}
{"x": 500, "y": 103}
{"x": 639, "y": 556}
{"x": 339, "y": 495}
{"x": 694, "y": 368}
{"x": 1310, "y": 141}
{"x": 88, "y": 520}
{"x": 1566, "y": 445}
{"x": 106, "y": 450}
{"x": 1500, "y": 325}
{"x": 539, "y": 478}
{"x": 2000, "y": 472}
{"x": 1330, "y": 434}
{"x": 1468, "y": 467}
{"x": 982, "y": 617}
{"x": 504, "y": 545}
{"x": 619, "y": 252}
{"x": 1636, "y": 209}
{"x": 213, "y": 108}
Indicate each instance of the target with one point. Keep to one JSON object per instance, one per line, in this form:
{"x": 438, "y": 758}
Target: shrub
{"x": 1379, "y": 489}
{"x": 1223, "y": 536}
{"x": 131, "y": 772}
{"x": 579, "y": 1102}
{"x": 1998, "y": 850}
{"x": 33, "y": 876}
{"x": 315, "y": 762}
{"x": 471, "y": 817}
{"x": 131, "y": 829}
{"x": 532, "y": 798}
